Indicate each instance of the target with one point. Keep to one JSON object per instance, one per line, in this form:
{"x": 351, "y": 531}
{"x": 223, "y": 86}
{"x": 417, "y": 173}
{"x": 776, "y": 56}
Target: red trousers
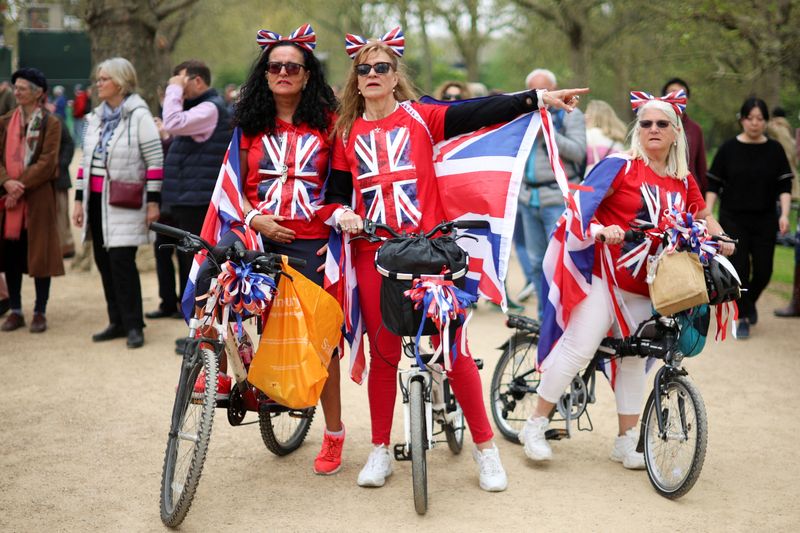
{"x": 384, "y": 358}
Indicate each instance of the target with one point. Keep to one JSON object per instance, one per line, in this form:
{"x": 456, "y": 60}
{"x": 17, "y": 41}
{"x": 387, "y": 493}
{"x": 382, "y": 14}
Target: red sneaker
{"x": 223, "y": 387}
{"x": 329, "y": 460}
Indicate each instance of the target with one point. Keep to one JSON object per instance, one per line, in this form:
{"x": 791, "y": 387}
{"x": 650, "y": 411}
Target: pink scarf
{"x": 18, "y": 155}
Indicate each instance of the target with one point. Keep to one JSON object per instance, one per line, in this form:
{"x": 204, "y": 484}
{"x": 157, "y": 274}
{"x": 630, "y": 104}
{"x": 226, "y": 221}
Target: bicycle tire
{"x": 419, "y": 436}
{"x": 510, "y": 395}
{"x": 284, "y": 431}
{"x": 192, "y": 420}
{"x": 454, "y": 431}
{"x": 674, "y": 466}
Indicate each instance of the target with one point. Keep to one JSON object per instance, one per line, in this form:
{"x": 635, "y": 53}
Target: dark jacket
{"x": 191, "y": 168}
{"x": 65, "y": 153}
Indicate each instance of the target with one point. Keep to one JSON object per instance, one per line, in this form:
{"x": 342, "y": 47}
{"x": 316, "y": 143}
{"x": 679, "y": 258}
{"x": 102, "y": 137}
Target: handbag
{"x": 300, "y": 334}
{"x": 676, "y": 282}
{"x": 126, "y": 194}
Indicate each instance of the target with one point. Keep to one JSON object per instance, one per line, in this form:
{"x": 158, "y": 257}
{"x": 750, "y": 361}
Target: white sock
{"x": 335, "y": 433}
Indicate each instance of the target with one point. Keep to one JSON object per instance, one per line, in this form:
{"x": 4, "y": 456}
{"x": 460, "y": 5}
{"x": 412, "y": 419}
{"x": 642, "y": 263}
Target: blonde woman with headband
{"x": 378, "y": 110}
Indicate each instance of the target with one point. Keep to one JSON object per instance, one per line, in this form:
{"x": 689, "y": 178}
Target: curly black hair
{"x": 255, "y": 110}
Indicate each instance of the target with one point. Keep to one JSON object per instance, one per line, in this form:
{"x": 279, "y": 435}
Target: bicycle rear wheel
{"x": 512, "y": 394}
{"x": 419, "y": 438}
{"x": 189, "y": 435}
{"x": 674, "y": 460}
{"x": 283, "y": 430}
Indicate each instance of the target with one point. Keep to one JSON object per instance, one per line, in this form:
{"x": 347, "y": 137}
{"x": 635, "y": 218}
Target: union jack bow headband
{"x": 677, "y": 99}
{"x": 394, "y": 39}
{"x": 304, "y": 37}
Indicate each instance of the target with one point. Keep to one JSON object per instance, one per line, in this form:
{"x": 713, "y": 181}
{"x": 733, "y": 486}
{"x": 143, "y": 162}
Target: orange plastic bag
{"x": 300, "y": 334}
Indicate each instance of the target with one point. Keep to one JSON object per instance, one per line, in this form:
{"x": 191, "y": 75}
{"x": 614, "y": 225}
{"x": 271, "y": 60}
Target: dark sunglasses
{"x": 364, "y": 69}
{"x": 451, "y": 97}
{"x": 292, "y": 69}
{"x": 660, "y": 124}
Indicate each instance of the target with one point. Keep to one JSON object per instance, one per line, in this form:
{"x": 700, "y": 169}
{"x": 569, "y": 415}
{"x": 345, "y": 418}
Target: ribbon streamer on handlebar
{"x": 442, "y": 302}
{"x": 684, "y": 233}
{"x": 241, "y": 291}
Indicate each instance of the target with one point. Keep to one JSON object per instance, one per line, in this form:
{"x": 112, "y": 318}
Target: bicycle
{"x": 425, "y": 388}
{"x": 283, "y": 430}
{"x": 674, "y": 426}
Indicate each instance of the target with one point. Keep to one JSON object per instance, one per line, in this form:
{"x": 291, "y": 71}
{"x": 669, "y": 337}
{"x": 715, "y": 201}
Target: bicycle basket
{"x": 694, "y": 324}
{"x": 400, "y": 261}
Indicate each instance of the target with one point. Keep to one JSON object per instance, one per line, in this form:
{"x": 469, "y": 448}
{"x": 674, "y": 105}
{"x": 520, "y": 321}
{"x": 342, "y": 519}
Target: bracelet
{"x": 250, "y": 216}
{"x": 347, "y": 207}
{"x": 540, "y": 100}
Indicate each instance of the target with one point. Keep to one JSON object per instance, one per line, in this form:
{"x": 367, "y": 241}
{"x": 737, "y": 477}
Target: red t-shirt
{"x": 285, "y": 174}
{"x": 391, "y": 162}
{"x": 640, "y": 195}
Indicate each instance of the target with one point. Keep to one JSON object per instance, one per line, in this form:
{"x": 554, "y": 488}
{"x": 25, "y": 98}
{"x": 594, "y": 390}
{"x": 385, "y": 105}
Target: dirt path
{"x": 84, "y": 430}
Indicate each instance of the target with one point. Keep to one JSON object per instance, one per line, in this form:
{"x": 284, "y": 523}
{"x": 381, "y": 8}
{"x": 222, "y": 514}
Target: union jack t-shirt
{"x": 391, "y": 162}
{"x": 285, "y": 175}
{"x": 642, "y": 196}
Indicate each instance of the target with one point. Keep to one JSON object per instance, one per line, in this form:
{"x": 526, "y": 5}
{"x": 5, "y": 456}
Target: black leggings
{"x": 16, "y": 264}
{"x": 754, "y": 253}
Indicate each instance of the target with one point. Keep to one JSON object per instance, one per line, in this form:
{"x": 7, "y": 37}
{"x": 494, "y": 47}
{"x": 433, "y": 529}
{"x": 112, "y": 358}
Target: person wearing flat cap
{"x": 29, "y": 241}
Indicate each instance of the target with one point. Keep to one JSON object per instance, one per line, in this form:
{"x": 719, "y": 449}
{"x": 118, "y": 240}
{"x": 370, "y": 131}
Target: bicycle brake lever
{"x": 167, "y": 246}
{"x": 474, "y": 238}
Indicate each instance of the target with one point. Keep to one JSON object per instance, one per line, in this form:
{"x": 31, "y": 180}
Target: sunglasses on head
{"x": 451, "y": 96}
{"x": 292, "y": 69}
{"x": 660, "y": 124}
{"x": 363, "y": 69}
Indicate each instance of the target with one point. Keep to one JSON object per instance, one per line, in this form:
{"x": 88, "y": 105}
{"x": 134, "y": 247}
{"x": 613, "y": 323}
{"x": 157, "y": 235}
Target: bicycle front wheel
{"x": 675, "y": 458}
{"x": 189, "y": 435}
{"x": 283, "y": 430}
{"x": 512, "y": 394}
{"x": 419, "y": 444}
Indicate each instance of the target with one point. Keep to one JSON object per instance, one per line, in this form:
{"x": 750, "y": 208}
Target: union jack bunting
{"x": 676, "y": 98}
{"x": 303, "y": 37}
{"x": 225, "y": 212}
{"x": 394, "y": 39}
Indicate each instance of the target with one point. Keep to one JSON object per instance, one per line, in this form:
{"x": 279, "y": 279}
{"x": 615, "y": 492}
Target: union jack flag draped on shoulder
{"x": 225, "y": 212}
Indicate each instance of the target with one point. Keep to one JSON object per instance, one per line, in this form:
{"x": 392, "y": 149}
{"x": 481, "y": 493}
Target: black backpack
{"x": 400, "y": 261}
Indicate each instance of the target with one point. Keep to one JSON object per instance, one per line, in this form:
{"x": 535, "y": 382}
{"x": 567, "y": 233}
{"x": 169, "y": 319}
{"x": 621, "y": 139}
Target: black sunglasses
{"x": 292, "y": 69}
{"x": 660, "y": 124}
{"x": 451, "y": 97}
{"x": 363, "y": 69}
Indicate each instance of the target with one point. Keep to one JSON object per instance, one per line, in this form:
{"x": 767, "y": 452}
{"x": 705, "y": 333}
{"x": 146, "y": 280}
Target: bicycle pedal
{"x": 400, "y": 453}
{"x": 556, "y": 434}
{"x": 479, "y": 363}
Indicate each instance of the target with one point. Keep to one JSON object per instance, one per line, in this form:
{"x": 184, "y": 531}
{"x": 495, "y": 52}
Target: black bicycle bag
{"x": 400, "y": 261}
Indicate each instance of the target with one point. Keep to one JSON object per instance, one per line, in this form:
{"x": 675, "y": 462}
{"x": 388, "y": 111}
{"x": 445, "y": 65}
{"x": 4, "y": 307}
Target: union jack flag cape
{"x": 479, "y": 175}
{"x": 225, "y": 212}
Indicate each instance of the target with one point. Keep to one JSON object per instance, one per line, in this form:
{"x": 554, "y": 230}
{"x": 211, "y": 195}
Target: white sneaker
{"x": 526, "y": 292}
{"x": 377, "y": 469}
{"x": 625, "y": 450}
{"x": 490, "y": 470}
{"x": 532, "y": 437}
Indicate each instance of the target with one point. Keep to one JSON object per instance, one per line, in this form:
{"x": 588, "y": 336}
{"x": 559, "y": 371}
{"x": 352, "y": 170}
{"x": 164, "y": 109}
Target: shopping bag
{"x": 676, "y": 282}
{"x": 300, "y": 333}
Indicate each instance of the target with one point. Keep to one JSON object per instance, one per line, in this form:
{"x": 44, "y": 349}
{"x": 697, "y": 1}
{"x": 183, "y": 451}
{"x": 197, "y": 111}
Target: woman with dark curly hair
{"x": 286, "y": 113}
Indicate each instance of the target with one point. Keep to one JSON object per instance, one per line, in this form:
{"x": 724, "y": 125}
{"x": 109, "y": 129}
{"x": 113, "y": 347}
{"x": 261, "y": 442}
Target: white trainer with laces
{"x": 377, "y": 469}
{"x": 625, "y": 450}
{"x": 533, "y": 439}
{"x": 490, "y": 470}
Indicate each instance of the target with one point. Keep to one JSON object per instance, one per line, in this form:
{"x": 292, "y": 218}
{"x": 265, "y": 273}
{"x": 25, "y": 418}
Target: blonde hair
{"x": 351, "y": 103}
{"x": 601, "y": 115}
{"x": 678, "y": 157}
{"x": 121, "y": 72}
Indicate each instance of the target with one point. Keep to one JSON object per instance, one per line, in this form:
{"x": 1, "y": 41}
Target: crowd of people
{"x": 297, "y": 135}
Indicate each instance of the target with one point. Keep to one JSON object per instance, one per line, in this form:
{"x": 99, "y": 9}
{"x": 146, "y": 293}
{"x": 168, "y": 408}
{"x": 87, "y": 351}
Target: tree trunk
{"x": 427, "y": 59}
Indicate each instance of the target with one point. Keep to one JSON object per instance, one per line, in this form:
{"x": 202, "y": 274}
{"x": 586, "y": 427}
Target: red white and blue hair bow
{"x": 304, "y": 37}
{"x": 394, "y": 39}
{"x": 677, "y": 99}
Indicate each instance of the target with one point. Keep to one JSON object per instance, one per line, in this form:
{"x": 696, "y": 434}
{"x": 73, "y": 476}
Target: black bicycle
{"x": 425, "y": 388}
{"x": 674, "y": 426}
{"x": 283, "y": 430}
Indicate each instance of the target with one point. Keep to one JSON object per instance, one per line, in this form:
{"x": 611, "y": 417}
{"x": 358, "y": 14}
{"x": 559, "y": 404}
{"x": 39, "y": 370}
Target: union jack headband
{"x": 677, "y": 99}
{"x": 394, "y": 39}
{"x": 304, "y": 37}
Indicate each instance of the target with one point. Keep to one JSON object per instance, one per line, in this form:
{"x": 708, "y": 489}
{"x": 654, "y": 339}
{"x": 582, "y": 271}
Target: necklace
{"x": 287, "y": 149}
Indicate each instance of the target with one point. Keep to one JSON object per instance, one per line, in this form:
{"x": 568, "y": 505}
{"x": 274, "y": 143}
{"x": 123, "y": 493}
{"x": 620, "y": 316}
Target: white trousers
{"x": 588, "y": 326}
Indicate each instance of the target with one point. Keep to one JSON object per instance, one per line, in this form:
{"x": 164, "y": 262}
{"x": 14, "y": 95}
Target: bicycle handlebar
{"x": 444, "y": 227}
{"x": 638, "y": 233}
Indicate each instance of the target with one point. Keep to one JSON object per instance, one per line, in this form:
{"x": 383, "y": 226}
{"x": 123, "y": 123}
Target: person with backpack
{"x": 540, "y": 200}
